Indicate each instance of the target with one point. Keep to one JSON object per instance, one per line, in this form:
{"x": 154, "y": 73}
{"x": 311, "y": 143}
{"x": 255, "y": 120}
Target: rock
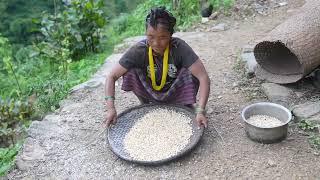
{"x": 77, "y": 88}
{"x": 65, "y": 102}
{"x": 32, "y": 152}
{"x": 210, "y": 110}
{"x": 235, "y": 84}
{"x": 219, "y": 27}
{"x": 107, "y": 66}
{"x": 316, "y": 78}
{"x": 247, "y": 49}
{"x": 261, "y": 9}
{"x": 279, "y": 94}
{"x": 293, "y": 11}
{"x": 127, "y": 43}
{"x": 213, "y": 16}
{"x": 282, "y": 4}
{"x": 44, "y": 130}
{"x": 93, "y": 83}
{"x": 308, "y": 111}
{"x": 120, "y": 47}
{"x": 52, "y": 118}
{"x": 271, "y": 163}
{"x": 72, "y": 107}
{"x": 99, "y": 77}
{"x": 315, "y": 119}
{"x": 204, "y": 20}
{"x": 22, "y": 165}
{"x": 250, "y": 61}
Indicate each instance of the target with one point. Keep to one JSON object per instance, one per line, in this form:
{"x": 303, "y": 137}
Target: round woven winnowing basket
{"x": 127, "y": 119}
{"x": 292, "y": 50}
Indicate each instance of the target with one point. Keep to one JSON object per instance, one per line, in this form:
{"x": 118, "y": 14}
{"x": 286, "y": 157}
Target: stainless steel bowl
{"x": 267, "y": 135}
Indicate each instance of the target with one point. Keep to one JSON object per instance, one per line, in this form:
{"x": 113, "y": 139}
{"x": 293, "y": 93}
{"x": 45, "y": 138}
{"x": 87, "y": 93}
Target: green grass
{"x": 7, "y": 157}
{"x": 312, "y": 131}
{"x": 134, "y": 24}
{"x": 314, "y": 140}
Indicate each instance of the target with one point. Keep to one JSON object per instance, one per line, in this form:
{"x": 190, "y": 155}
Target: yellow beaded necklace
{"x": 164, "y": 69}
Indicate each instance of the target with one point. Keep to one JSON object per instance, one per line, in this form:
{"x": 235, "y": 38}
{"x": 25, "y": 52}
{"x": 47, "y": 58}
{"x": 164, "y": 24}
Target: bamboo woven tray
{"x": 127, "y": 119}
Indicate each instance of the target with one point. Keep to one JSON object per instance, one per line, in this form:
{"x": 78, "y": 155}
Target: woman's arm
{"x": 116, "y": 72}
{"x": 197, "y": 69}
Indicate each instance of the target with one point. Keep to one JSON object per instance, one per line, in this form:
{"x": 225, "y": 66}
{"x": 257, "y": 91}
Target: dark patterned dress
{"x": 181, "y": 86}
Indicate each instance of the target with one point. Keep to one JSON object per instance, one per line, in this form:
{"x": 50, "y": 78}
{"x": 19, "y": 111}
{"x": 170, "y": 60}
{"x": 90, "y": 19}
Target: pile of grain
{"x": 264, "y": 121}
{"x": 158, "y": 135}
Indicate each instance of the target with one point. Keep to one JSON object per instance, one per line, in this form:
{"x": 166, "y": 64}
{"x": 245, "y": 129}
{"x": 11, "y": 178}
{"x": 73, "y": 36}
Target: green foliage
{"x": 134, "y": 23}
{"x": 187, "y": 13}
{"x": 5, "y": 55}
{"x": 58, "y": 56}
{"x": 314, "y": 141}
{"x": 13, "y": 115}
{"x": 90, "y": 22}
{"x": 18, "y": 20}
{"x": 114, "y": 8}
{"x": 7, "y": 157}
{"x": 74, "y": 31}
{"x": 6, "y": 64}
{"x": 312, "y": 130}
{"x": 49, "y": 93}
{"x": 222, "y": 4}
{"x": 50, "y": 88}
{"x": 27, "y": 66}
{"x": 307, "y": 125}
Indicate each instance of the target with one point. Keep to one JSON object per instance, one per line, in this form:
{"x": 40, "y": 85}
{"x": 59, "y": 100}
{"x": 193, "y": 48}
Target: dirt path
{"x": 63, "y": 146}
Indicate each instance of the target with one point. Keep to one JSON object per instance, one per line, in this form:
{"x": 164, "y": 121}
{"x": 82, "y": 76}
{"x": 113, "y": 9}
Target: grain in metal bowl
{"x": 266, "y": 122}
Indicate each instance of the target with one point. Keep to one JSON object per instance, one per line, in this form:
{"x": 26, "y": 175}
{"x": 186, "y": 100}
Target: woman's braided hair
{"x": 160, "y": 15}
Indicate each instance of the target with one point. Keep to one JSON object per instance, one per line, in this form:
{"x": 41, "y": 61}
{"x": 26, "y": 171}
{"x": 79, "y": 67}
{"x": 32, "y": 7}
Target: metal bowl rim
{"x": 266, "y": 103}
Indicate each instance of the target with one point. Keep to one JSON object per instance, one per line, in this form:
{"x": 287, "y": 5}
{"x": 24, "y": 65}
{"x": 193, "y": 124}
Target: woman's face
{"x": 158, "y": 38}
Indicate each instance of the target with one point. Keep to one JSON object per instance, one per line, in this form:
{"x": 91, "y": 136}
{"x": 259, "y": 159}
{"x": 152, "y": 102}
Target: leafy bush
{"x": 312, "y": 131}
{"x": 7, "y": 68}
{"x": 120, "y": 24}
{"x": 13, "y": 115}
{"x": 186, "y": 13}
{"x": 17, "y": 20}
{"x": 307, "y": 125}
{"x": 7, "y": 156}
{"x": 222, "y": 4}
{"x": 75, "y": 29}
{"x": 48, "y": 93}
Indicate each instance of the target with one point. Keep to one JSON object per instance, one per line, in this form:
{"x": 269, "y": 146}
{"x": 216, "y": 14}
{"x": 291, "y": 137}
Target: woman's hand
{"x": 202, "y": 120}
{"x": 111, "y": 117}
{"x": 116, "y": 72}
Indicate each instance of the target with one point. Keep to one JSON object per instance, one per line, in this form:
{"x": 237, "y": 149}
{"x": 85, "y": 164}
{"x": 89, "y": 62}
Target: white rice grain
{"x": 159, "y": 134}
{"x": 264, "y": 121}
